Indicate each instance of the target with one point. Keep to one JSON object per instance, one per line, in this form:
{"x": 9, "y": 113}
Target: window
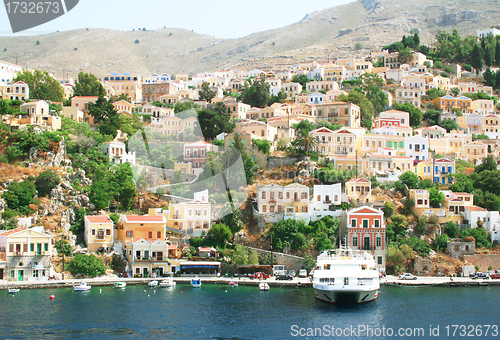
{"x": 264, "y": 208}
{"x": 129, "y": 233}
{"x": 355, "y": 241}
{"x": 304, "y": 195}
{"x": 353, "y": 223}
{"x": 379, "y": 241}
{"x": 365, "y": 223}
{"x": 32, "y": 247}
{"x": 93, "y": 232}
{"x": 25, "y": 247}
{"x": 45, "y": 247}
{"x": 377, "y": 223}
{"x": 263, "y": 195}
{"x": 379, "y": 260}
{"x": 108, "y": 232}
{"x": 150, "y": 234}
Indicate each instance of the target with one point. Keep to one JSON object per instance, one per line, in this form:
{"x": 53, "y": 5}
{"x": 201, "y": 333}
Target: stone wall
{"x": 291, "y": 262}
{"x": 484, "y": 261}
{"x": 276, "y": 162}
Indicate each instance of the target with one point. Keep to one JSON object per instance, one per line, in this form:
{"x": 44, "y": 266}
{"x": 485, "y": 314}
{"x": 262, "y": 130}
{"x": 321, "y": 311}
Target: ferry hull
{"x": 332, "y": 296}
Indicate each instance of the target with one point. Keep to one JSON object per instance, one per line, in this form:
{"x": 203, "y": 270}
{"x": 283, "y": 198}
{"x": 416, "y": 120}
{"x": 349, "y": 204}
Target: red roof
{"x": 357, "y": 180}
{"x": 139, "y": 218}
{"x": 99, "y": 219}
{"x": 13, "y": 231}
{"x": 475, "y": 208}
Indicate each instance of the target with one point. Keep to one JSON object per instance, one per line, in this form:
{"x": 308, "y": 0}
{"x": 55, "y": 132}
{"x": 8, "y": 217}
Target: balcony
{"x": 272, "y": 201}
{"x": 296, "y": 199}
{"x": 177, "y": 217}
{"x": 327, "y": 202}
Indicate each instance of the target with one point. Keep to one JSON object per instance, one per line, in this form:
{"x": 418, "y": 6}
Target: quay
{"x": 421, "y": 281}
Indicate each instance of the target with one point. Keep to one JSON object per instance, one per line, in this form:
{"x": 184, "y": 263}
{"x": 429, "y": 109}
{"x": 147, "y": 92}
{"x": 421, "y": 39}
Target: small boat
{"x": 196, "y": 282}
{"x": 13, "y": 290}
{"x": 233, "y": 284}
{"x": 153, "y": 283}
{"x": 168, "y": 283}
{"x": 82, "y": 287}
{"x": 120, "y": 284}
{"x": 264, "y": 286}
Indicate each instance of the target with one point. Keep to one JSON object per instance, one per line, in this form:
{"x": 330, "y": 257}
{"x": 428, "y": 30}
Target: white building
{"x": 490, "y": 219}
{"x": 325, "y": 196}
{"x": 8, "y": 71}
{"x": 117, "y": 153}
{"x": 417, "y": 148}
{"x": 484, "y": 33}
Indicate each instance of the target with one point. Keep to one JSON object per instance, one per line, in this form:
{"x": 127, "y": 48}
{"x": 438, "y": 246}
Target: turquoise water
{"x": 220, "y": 312}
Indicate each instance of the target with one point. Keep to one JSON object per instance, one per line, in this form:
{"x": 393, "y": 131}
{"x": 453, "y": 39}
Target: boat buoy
{"x": 100, "y": 290}
{"x": 182, "y": 292}
{"x": 13, "y": 295}
{"x": 144, "y": 290}
{"x": 50, "y": 288}
{"x": 148, "y": 295}
{"x": 42, "y": 291}
{"x": 226, "y": 291}
{"x": 52, "y": 297}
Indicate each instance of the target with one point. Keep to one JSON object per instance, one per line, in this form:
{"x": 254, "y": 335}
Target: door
{"x": 39, "y": 249}
{"x": 145, "y": 272}
{"x": 367, "y": 243}
{"x": 20, "y": 275}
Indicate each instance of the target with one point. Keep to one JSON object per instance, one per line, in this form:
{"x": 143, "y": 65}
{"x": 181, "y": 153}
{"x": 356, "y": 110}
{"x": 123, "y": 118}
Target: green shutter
{"x": 32, "y": 247}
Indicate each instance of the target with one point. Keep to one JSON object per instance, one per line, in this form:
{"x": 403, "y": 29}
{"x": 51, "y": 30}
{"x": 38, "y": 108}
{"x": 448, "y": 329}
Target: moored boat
{"x": 120, "y": 284}
{"x": 13, "y": 290}
{"x": 233, "y": 284}
{"x": 153, "y": 283}
{"x": 346, "y": 272}
{"x": 82, "y": 287}
{"x": 196, "y": 282}
{"x": 264, "y": 286}
{"x": 169, "y": 282}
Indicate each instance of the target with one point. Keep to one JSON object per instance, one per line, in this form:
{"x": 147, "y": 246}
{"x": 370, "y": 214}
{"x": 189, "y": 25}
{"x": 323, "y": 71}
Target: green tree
{"x": 489, "y": 77}
{"x": 435, "y": 197}
{"x": 302, "y": 79}
{"x": 410, "y": 179}
{"x": 240, "y": 255}
{"x": 218, "y": 235}
{"x": 214, "y": 123}
{"x": 480, "y": 234}
{"x": 305, "y": 141}
{"x": 63, "y": 247}
{"x": 46, "y": 181}
{"x": 435, "y": 92}
{"x": 372, "y": 88}
{"x": 441, "y": 243}
{"x": 88, "y": 85}
{"x": 262, "y": 145}
{"x": 253, "y": 258}
{"x": 123, "y": 183}
{"x": 20, "y": 195}
{"x": 357, "y": 97}
{"x": 488, "y": 57}
{"x": 497, "y": 53}
{"x": 451, "y": 229}
{"x": 449, "y": 124}
{"x": 42, "y": 85}
{"x": 415, "y": 113}
{"x": 286, "y": 234}
{"x": 106, "y": 116}
{"x": 405, "y": 55}
{"x": 388, "y": 209}
{"x": 462, "y": 183}
{"x": 476, "y": 58}
{"x": 89, "y": 265}
{"x": 256, "y": 93}
{"x": 206, "y": 93}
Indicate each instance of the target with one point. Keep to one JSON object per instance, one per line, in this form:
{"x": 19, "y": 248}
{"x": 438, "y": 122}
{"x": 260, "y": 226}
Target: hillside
{"x": 325, "y": 34}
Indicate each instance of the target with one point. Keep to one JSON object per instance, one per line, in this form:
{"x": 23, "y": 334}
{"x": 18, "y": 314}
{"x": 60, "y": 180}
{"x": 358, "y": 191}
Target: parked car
{"x": 407, "y": 276}
{"x": 302, "y": 273}
{"x": 292, "y": 273}
{"x": 495, "y": 276}
{"x": 284, "y": 277}
{"x": 259, "y": 275}
{"x": 481, "y": 275}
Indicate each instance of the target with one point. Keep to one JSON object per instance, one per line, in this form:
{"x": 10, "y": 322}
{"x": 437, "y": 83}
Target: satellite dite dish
{"x": 24, "y": 15}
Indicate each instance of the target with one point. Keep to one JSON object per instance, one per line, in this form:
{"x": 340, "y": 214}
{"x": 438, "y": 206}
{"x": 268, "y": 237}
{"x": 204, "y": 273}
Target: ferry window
{"x": 346, "y": 281}
{"x": 326, "y": 267}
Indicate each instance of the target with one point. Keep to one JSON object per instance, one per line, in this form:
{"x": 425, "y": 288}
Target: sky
{"x": 220, "y": 18}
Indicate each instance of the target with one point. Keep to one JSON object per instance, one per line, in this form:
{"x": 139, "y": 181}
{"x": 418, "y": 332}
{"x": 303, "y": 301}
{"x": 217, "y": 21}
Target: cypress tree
{"x": 497, "y": 53}
{"x": 416, "y": 40}
{"x": 488, "y": 57}
{"x": 476, "y": 58}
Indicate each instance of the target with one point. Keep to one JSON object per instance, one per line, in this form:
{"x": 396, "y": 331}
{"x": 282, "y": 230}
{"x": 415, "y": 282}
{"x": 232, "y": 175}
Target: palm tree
{"x": 305, "y": 141}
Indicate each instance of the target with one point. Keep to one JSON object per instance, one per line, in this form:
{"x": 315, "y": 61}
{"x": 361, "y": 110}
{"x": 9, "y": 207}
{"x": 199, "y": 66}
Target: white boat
{"x": 169, "y": 282}
{"x": 346, "y": 272}
{"x": 153, "y": 283}
{"x": 82, "y": 287}
{"x": 13, "y": 290}
{"x": 233, "y": 284}
{"x": 120, "y": 284}
{"x": 196, "y": 282}
{"x": 264, "y": 286}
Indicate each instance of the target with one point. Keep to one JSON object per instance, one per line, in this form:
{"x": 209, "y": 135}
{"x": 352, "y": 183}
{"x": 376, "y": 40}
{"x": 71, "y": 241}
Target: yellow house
{"x": 27, "y": 253}
{"x": 325, "y": 141}
{"x": 342, "y": 162}
{"x": 127, "y": 84}
{"x": 17, "y": 91}
{"x": 359, "y": 190}
{"x": 147, "y": 257}
{"x": 476, "y": 150}
{"x": 72, "y": 113}
{"x": 274, "y": 198}
{"x": 183, "y": 167}
{"x": 438, "y": 170}
{"x": 491, "y": 123}
{"x": 191, "y": 217}
{"x": 124, "y": 106}
{"x": 82, "y": 104}
{"x": 181, "y": 77}
{"x": 99, "y": 233}
{"x": 448, "y": 103}
{"x": 343, "y": 113}
{"x": 137, "y": 226}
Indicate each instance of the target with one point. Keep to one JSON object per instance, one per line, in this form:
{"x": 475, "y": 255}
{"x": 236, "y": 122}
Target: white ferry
{"x": 346, "y": 272}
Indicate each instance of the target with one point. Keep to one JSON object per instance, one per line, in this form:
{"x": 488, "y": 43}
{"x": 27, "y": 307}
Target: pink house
{"x": 196, "y": 154}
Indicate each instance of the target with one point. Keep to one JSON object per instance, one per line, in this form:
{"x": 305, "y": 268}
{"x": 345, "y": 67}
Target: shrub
{"x": 46, "y": 181}
{"x": 89, "y": 265}
{"x": 441, "y": 242}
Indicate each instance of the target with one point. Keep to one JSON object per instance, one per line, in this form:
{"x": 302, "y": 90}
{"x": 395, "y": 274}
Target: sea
{"x": 222, "y": 312}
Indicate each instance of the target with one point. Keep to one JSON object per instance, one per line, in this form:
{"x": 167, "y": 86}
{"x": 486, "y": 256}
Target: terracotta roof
{"x": 357, "y": 180}
{"x": 475, "y": 208}
{"x": 143, "y": 218}
{"x": 13, "y": 231}
{"x": 98, "y": 219}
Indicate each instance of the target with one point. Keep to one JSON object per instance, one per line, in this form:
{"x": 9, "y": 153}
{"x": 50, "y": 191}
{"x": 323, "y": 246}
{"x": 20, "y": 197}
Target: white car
{"x": 407, "y": 276}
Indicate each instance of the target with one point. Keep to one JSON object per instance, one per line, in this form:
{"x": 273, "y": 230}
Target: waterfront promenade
{"x": 421, "y": 281}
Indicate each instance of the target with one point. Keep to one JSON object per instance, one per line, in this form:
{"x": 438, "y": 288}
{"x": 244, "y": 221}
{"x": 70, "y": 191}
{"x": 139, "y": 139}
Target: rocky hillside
{"x": 324, "y": 34}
